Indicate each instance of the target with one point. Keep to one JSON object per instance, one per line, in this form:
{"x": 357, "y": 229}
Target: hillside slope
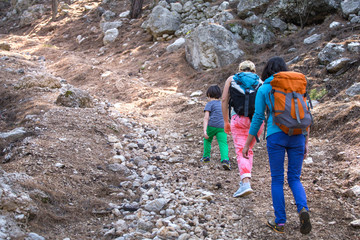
{"x": 145, "y": 116}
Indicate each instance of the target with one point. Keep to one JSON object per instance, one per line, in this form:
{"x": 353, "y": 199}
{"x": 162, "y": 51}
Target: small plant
{"x": 316, "y": 94}
{"x": 49, "y": 46}
{"x": 68, "y": 93}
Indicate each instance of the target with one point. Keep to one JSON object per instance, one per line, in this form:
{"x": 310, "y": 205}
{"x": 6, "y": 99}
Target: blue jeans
{"x": 294, "y": 145}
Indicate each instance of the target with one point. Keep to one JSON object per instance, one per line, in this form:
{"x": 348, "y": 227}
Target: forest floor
{"x": 141, "y": 80}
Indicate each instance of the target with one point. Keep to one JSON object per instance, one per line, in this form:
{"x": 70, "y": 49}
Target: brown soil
{"x": 77, "y": 204}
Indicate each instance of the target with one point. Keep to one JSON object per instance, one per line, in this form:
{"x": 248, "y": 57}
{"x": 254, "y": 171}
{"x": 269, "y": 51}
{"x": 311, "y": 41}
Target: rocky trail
{"x": 127, "y": 166}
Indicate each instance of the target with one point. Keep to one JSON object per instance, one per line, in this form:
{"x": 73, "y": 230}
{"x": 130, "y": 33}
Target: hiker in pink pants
{"x": 238, "y": 100}
{"x": 240, "y": 130}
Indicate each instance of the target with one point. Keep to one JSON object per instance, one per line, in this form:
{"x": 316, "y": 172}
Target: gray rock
{"x": 31, "y": 14}
{"x": 162, "y": 21}
{"x": 312, "y": 39}
{"x": 121, "y": 226}
{"x": 222, "y": 17}
{"x": 354, "y": 47}
{"x": 156, "y": 205}
{"x": 335, "y": 25}
{"x": 131, "y": 207}
{"x": 179, "y": 43}
{"x": 336, "y": 65}
{"x": 13, "y": 134}
{"x": 211, "y": 46}
{"x": 110, "y": 25}
{"x": 291, "y": 12}
{"x": 356, "y": 190}
{"x": 145, "y": 225}
{"x": 74, "y": 97}
{"x": 330, "y": 52}
{"x": 246, "y": 8}
{"x": 177, "y": 7}
{"x": 355, "y": 19}
{"x": 110, "y": 36}
{"x": 124, "y": 14}
{"x": 350, "y": 6}
{"x": 119, "y": 168}
{"x": 278, "y": 24}
{"x": 34, "y": 236}
{"x": 353, "y": 90}
{"x": 262, "y": 34}
{"x": 107, "y": 15}
{"x": 294, "y": 60}
{"x": 355, "y": 223}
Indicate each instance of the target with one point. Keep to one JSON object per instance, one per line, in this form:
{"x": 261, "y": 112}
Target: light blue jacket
{"x": 262, "y": 100}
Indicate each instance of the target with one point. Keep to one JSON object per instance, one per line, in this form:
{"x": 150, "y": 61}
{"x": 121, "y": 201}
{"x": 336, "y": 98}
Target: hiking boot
{"x": 275, "y": 227}
{"x": 305, "y": 225}
{"x": 244, "y": 190}
{"x": 205, "y": 159}
{"x": 226, "y": 164}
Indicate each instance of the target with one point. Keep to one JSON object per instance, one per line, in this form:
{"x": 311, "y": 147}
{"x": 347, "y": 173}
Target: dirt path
{"x": 142, "y": 82}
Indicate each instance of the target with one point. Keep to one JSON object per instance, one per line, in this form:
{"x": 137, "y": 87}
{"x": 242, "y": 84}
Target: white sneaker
{"x": 243, "y": 190}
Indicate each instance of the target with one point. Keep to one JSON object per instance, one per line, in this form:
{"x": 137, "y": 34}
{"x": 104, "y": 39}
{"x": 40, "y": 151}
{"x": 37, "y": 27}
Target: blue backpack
{"x": 243, "y": 89}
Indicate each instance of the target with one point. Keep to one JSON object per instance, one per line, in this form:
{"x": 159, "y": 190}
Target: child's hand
{"x": 227, "y": 128}
{"x": 206, "y": 136}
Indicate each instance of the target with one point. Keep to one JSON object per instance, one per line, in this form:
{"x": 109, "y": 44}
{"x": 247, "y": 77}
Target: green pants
{"x": 221, "y": 137}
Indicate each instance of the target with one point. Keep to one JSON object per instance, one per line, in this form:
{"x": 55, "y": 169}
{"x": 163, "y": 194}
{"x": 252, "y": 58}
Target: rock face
{"x": 247, "y": 8}
{"x": 162, "y": 21}
{"x": 330, "y": 52}
{"x": 301, "y": 12}
{"x": 350, "y": 7}
{"x": 211, "y": 46}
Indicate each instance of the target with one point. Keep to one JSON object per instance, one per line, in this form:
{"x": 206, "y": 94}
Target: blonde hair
{"x": 247, "y": 66}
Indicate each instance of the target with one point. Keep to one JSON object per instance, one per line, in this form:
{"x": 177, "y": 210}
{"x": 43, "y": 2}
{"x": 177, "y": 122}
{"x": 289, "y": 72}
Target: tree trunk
{"x": 136, "y": 8}
{"x": 54, "y": 8}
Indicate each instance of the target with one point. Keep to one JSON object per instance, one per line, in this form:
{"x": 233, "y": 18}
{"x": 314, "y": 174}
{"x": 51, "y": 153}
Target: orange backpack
{"x": 290, "y": 110}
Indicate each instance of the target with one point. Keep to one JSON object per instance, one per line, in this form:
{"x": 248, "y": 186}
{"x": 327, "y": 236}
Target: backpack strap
{"x": 266, "y": 120}
{"x": 272, "y": 105}
{"x": 246, "y": 107}
{"x": 291, "y": 131}
{"x": 304, "y": 131}
{"x": 296, "y": 107}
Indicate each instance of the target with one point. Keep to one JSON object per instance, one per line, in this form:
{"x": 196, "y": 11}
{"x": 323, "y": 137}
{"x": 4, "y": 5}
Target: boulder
{"x": 74, "y": 97}
{"x": 162, "y": 21}
{"x": 330, "y": 52}
{"x": 31, "y": 14}
{"x": 110, "y": 25}
{"x": 247, "y": 8}
{"x": 301, "y": 14}
{"x": 312, "y": 39}
{"x": 337, "y": 65}
{"x": 350, "y": 7}
{"x": 110, "y": 36}
{"x": 262, "y": 34}
{"x": 211, "y": 46}
{"x": 353, "y": 90}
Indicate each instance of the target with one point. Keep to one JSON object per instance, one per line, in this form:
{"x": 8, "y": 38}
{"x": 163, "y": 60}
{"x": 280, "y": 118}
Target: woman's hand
{"x": 306, "y": 150}
{"x": 245, "y": 151}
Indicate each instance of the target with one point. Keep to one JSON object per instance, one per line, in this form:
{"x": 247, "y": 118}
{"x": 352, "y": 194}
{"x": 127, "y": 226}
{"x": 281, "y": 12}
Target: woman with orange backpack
{"x": 293, "y": 140}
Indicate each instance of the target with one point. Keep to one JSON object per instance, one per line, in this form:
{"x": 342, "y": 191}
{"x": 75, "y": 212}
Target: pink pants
{"x": 240, "y": 126}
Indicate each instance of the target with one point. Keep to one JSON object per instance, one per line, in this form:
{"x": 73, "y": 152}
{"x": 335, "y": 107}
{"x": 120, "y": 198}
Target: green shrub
{"x": 317, "y": 94}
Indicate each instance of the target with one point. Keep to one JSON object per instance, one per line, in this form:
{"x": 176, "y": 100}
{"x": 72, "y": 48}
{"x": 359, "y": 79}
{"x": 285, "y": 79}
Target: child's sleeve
{"x": 208, "y": 107}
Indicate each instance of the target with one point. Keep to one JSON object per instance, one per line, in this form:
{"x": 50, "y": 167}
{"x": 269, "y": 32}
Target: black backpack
{"x": 243, "y": 89}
